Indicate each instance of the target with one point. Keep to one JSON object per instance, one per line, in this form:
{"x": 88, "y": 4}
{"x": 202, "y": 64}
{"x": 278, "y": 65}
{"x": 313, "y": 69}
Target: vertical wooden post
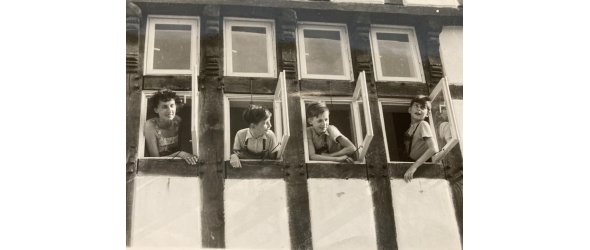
{"x": 133, "y": 93}
{"x": 376, "y": 158}
{"x": 295, "y": 169}
{"x": 211, "y": 130}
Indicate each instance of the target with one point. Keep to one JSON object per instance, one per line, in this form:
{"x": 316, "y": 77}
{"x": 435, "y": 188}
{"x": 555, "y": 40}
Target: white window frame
{"x": 360, "y": 96}
{"x": 280, "y": 116}
{"x": 402, "y": 102}
{"x": 344, "y": 46}
{"x": 413, "y": 41}
{"x": 152, "y": 20}
{"x": 269, "y": 25}
{"x": 194, "y": 113}
{"x": 443, "y": 88}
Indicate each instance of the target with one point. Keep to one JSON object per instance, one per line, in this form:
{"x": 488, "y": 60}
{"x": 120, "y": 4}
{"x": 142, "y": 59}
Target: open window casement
{"x": 281, "y": 108}
{"x": 187, "y": 102}
{"x": 195, "y": 111}
{"x": 442, "y": 120}
{"x": 361, "y": 97}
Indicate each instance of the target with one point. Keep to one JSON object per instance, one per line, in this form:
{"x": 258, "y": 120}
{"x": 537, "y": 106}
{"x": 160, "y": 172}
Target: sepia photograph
{"x": 291, "y": 124}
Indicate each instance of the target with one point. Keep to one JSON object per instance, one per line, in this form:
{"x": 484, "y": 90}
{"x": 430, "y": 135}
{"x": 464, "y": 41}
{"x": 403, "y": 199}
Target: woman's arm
{"x": 150, "y": 139}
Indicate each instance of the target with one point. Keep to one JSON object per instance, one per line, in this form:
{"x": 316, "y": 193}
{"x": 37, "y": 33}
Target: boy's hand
{"x": 235, "y": 161}
{"x": 410, "y": 174}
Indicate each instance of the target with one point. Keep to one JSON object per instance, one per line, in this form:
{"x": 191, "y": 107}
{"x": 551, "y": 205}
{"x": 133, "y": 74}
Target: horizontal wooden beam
{"x": 255, "y": 170}
{"x": 173, "y": 82}
{"x": 428, "y": 170}
{"x": 400, "y": 89}
{"x": 326, "y": 87}
{"x": 337, "y": 171}
{"x": 323, "y": 5}
{"x": 242, "y": 85}
{"x": 456, "y": 91}
{"x": 171, "y": 167}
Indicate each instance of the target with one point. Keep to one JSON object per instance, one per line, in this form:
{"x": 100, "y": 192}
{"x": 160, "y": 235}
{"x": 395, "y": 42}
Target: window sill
{"x": 255, "y": 169}
{"x": 166, "y": 166}
{"x": 336, "y": 170}
{"x": 427, "y": 170}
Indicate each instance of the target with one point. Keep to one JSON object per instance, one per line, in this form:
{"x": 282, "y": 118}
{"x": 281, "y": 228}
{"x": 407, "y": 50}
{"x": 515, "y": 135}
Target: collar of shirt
{"x": 249, "y": 135}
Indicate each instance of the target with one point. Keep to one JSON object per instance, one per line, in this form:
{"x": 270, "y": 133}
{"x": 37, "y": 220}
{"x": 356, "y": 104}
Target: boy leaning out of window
{"x": 419, "y": 140}
{"x": 324, "y": 141}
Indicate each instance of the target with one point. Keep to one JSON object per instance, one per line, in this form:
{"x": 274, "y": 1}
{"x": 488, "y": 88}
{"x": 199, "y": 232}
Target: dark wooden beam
{"x": 173, "y": 82}
{"x": 428, "y": 170}
{"x": 316, "y": 87}
{"x": 169, "y": 167}
{"x": 255, "y": 170}
{"x": 129, "y": 206}
{"x": 242, "y": 85}
{"x": 320, "y": 5}
{"x": 400, "y": 89}
{"x": 211, "y": 133}
{"x": 456, "y": 91}
{"x": 337, "y": 171}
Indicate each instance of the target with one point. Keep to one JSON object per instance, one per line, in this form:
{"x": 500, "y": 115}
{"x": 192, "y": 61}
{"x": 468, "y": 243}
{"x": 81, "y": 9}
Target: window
{"x": 351, "y": 115}
{"x": 443, "y": 119}
{"x": 171, "y": 45}
{"x": 323, "y": 51}
{"x": 235, "y": 104}
{"x": 188, "y": 110}
{"x": 395, "y": 54}
{"x": 249, "y": 47}
{"x": 395, "y": 121}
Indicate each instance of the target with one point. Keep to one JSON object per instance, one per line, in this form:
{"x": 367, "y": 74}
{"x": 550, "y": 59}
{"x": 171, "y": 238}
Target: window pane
{"x": 183, "y": 110}
{"x": 172, "y": 46}
{"x": 236, "y": 121}
{"x": 249, "y": 49}
{"x": 323, "y": 54}
{"x": 396, "y": 55}
{"x": 440, "y": 119}
{"x": 341, "y": 118}
{"x": 396, "y": 121}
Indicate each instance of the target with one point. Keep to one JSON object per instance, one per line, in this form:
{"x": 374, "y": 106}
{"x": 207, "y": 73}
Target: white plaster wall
{"x": 341, "y": 214}
{"x": 438, "y": 3}
{"x": 451, "y": 53}
{"x": 424, "y": 215}
{"x": 166, "y": 212}
{"x": 256, "y": 214}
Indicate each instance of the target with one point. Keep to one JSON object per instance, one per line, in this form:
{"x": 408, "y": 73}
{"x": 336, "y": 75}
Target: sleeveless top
{"x": 166, "y": 145}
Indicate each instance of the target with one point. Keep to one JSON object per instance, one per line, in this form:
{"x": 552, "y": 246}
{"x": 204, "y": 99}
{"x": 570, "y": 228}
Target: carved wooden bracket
{"x": 433, "y": 50}
{"x": 133, "y": 27}
{"x": 212, "y": 39}
{"x": 287, "y": 26}
{"x": 361, "y": 47}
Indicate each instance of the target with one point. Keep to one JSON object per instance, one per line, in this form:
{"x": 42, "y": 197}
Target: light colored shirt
{"x": 325, "y": 142}
{"x": 419, "y": 145}
{"x": 244, "y": 140}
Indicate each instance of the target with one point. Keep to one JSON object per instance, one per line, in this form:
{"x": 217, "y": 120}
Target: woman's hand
{"x": 410, "y": 173}
{"x": 234, "y": 160}
{"x": 189, "y": 158}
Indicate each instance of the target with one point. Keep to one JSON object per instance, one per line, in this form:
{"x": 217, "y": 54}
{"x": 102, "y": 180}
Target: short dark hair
{"x": 423, "y": 100}
{"x": 255, "y": 114}
{"x": 315, "y": 109}
{"x": 163, "y": 95}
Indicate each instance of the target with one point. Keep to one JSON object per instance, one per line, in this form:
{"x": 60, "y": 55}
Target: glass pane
{"x": 166, "y": 212}
{"x": 341, "y": 118}
{"x": 256, "y": 214}
{"x": 236, "y": 121}
{"x": 341, "y": 214}
{"x": 172, "y": 46}
{"x": 249, "y": 49}
{"x": 396, "y": 121}
{"x": 424, "y": 214}
{"x": 395, "y": 53}
{"x": 323, "y": 54}
{"x": 441, "y": 120}
{"x": 184, "y": 111}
